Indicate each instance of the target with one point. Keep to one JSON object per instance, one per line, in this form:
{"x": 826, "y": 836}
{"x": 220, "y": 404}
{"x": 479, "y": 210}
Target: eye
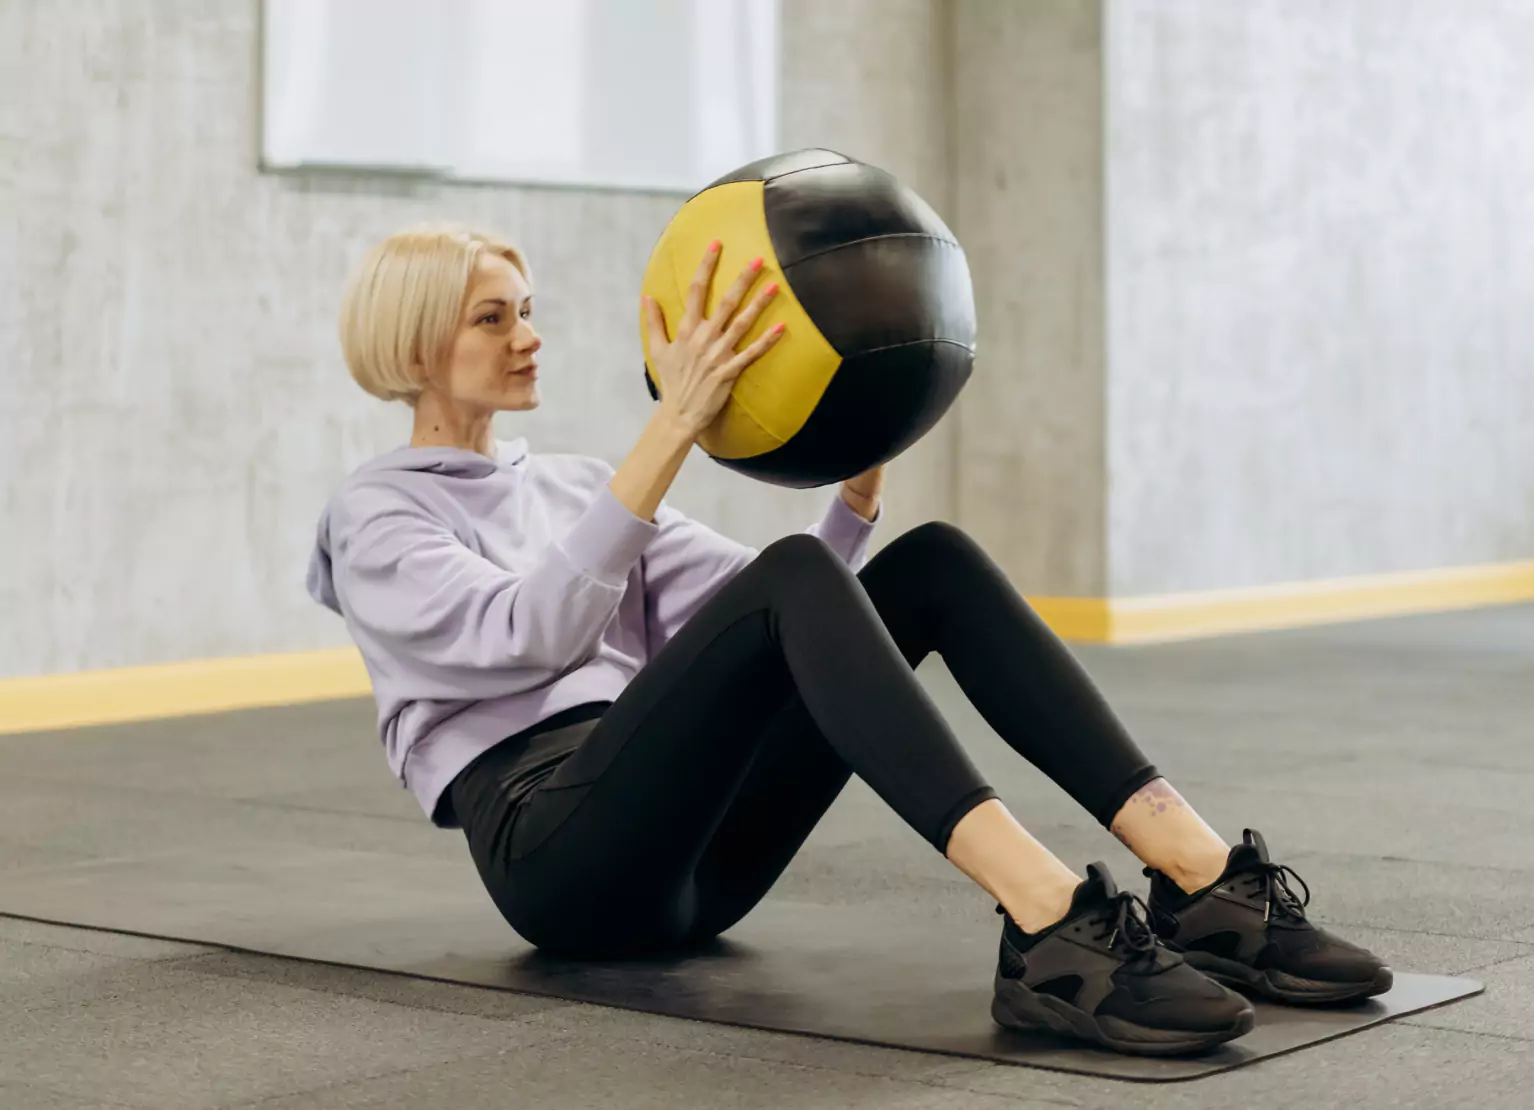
{"x": 527, "y": 313}
{"x": 490, "y": 318}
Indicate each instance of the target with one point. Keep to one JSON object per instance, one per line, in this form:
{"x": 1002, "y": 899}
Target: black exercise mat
{"x": 843, "y": 971}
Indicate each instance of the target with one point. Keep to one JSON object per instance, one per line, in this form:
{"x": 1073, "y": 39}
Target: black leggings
{"x": 694, "y": 789}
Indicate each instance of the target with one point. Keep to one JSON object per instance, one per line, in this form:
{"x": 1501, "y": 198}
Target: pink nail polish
{"x": 756, "y": 263}
{"x": 772, "y": 289}
{"x": 777, "y": 329}
{"x": 714, "y": 246}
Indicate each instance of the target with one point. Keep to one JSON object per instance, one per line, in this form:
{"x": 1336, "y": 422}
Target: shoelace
{"x": 1127, "y": 915}
{"x": 1273, "y": 880}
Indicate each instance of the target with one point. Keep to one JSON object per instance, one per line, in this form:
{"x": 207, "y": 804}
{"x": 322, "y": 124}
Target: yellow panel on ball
{"x": 776, "y": 395}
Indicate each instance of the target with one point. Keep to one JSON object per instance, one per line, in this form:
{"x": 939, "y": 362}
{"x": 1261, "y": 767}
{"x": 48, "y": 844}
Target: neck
{"x": 440, "y": 423}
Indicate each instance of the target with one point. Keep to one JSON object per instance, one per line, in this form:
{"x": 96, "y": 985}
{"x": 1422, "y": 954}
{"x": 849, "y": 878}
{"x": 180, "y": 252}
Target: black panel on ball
{"x": 876, "y": 406}
{"x": 776, "y": 165}
{"x": 887, "y": 291}
{"x": 831, "y": 206}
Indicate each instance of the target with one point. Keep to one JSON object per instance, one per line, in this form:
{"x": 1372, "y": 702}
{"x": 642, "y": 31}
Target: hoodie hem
{"x": 436, "y": 759}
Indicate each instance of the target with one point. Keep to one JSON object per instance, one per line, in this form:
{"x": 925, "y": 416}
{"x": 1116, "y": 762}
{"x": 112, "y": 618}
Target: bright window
{"x": 629, "y": 94}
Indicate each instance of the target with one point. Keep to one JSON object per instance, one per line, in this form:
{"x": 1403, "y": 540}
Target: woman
{"x": 637, "y": 722}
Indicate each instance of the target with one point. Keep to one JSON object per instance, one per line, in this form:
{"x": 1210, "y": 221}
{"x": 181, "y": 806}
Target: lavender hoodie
{"x": 488, "y": 594}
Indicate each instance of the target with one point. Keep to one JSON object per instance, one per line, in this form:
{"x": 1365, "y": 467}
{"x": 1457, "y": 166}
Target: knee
{"x": 800, "y": 549}
{"x": 803, "y": 564}
{"x": 939, "y": 540}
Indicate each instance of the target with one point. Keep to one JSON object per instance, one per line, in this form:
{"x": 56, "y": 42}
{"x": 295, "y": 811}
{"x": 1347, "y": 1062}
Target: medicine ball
{"x": 876, "y": 296}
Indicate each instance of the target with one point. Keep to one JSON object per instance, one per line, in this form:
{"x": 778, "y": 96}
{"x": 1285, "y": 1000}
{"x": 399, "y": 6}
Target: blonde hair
{"x": 402, "y": 304}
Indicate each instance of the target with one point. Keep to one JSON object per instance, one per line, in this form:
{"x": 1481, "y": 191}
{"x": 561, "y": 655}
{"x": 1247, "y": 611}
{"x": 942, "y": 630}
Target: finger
{"x": 736, "y": 294}
{"x": 697, "y": 292}
{"x": 747, "y": 319}
{"x": 655, "y": 322}
{"x": 737, "y": 365}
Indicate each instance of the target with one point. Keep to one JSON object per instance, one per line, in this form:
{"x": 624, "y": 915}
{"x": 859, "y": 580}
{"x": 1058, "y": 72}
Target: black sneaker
{"x": 1100, "y": 974}
{"x": 1249, "y": 930}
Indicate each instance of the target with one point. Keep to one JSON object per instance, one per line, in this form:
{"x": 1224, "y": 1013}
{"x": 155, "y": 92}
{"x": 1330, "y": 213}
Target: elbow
{"x": 557, "y": 649}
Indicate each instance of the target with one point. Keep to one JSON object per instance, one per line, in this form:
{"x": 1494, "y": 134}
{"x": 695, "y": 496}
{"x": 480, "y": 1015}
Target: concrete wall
{"x": 176, "y": 409}
{"x": 1320, "y": 321}
{"x": 1028, "y": 173}
{"x": 1253, "y": 283}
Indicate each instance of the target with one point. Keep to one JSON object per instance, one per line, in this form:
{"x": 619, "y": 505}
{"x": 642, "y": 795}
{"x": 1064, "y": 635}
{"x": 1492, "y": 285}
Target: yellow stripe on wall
{"x": 220, "y": 685}
{"x": 179, "y": 689}
{"x": 1159, "y": 619}
{"x": 1084, "y": 619}
{"x": 1295, "y": 604}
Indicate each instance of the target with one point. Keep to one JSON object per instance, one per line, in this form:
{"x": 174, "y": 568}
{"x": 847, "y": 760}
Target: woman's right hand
{"x": 698, "y": 368}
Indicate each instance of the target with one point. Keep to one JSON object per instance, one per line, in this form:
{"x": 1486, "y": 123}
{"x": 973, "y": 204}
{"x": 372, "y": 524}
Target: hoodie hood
{"x": 450, "y": 462}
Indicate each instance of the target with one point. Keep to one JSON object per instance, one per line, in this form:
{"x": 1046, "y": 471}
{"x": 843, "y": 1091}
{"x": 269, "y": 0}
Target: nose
{"x": 526, "y": 340}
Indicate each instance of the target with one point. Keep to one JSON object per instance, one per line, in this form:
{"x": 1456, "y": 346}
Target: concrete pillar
{"x": 1028, "y": 183}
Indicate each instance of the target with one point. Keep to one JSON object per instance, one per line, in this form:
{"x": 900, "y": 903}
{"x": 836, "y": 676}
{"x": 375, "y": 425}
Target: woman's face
{"x": 491, "y": 365}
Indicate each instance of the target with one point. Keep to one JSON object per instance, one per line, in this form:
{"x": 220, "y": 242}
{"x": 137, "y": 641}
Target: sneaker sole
{"x": 1282, "y": 987}
{"x": 1014, "y": 1006}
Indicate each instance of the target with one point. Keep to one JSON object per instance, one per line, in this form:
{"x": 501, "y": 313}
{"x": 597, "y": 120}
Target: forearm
{"x": 646, "y": 474}
{"x": 862, "y": 492}
{"x": 865, "y": 506}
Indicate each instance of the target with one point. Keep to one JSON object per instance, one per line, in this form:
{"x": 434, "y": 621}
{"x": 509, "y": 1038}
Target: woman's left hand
{"x": 862, "y": 493}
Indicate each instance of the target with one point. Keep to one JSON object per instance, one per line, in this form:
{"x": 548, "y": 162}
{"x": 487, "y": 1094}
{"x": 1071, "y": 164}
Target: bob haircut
{"x": 402, "y": 304}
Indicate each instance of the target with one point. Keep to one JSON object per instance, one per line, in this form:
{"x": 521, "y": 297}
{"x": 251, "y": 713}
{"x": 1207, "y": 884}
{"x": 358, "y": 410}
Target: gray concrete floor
{"x": 1391, "y": 763}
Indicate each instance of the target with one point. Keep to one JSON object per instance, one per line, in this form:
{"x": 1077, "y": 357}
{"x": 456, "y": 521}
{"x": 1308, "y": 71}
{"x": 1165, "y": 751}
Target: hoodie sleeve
{"x": 845, "y": 532}
{"x": 688, "y": 562}
{"x": 405, "y": 580}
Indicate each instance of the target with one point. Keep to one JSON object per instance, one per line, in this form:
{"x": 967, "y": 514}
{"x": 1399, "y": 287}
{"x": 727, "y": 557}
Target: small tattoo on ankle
{"x": 1159, "y": 795}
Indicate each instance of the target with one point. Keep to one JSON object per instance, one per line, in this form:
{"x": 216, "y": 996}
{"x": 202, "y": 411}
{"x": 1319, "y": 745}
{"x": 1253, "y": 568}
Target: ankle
{"x": 1031, "y": 884}
{"x": 1041, "y": 904}
{"x": 1159, "y": 827}
{"x": 1193, "y": 871}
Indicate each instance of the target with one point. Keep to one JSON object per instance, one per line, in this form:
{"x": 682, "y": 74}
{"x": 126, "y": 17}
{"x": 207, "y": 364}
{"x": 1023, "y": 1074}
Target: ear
{"x": 422, "y": 374}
